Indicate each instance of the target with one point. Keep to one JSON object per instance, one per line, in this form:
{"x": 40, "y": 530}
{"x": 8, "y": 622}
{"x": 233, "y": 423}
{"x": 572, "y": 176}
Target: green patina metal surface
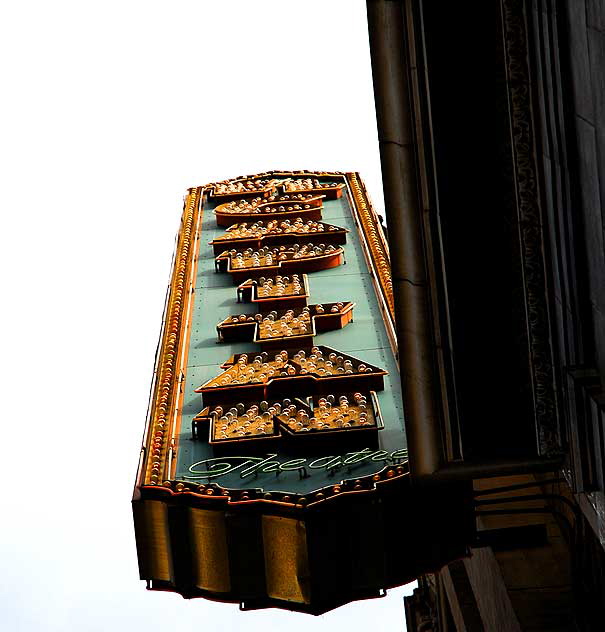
{"x": 365, "y": 338}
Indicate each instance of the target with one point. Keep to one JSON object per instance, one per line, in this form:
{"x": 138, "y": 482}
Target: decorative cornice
{"x": 530, "y": 225}
{"x": 165, "y": 396}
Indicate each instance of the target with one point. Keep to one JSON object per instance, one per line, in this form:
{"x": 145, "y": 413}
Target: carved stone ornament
{"x": 530, "y": 226}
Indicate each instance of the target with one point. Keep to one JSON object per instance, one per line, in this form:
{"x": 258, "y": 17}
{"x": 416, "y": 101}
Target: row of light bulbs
{"x": 258, "y": 229}
{"x": 332, "y": 413}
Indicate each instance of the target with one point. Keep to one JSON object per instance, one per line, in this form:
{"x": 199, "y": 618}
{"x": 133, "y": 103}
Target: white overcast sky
{"x": 108, "y": 112}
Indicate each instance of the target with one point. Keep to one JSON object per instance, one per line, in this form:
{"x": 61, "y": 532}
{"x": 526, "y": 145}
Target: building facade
{"x": 491, "y": 120}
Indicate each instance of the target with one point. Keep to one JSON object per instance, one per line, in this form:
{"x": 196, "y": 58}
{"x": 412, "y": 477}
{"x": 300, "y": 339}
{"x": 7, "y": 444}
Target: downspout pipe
{"x": 391, "y": 73}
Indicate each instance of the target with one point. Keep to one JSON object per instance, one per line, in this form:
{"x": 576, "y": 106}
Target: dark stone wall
{"x": 479, "y": 229}
{"x": 568, "y": 64}
{"x": 567, "y": 58}
{"x": 585, "y": 24}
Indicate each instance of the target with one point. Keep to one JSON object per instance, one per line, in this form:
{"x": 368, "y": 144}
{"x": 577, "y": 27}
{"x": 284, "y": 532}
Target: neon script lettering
{"x": 250, "y": 465}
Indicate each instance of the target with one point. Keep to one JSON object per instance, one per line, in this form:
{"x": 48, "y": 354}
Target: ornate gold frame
{"x": 158, "y": 443}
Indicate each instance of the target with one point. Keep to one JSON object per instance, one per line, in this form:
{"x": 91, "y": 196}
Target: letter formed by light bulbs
{"x": 292, "y": 390}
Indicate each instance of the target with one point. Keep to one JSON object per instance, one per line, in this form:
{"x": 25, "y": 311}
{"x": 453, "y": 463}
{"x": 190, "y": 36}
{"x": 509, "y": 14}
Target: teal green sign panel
{"x": 287, "y": 466}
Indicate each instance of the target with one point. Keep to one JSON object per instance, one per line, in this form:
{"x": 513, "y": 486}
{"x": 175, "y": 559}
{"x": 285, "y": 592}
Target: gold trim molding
{"x": 374, "y": 238}
{"x": 166, "y": 393}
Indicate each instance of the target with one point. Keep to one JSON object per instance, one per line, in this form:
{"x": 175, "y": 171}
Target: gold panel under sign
{"x": 286, "y": 559}
{"x": 151, "y": 525}
{"x": 211, "y": 557}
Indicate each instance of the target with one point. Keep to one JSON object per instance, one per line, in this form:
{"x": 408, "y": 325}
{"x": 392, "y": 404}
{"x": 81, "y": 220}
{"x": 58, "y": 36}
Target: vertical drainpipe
{"x": 391, "y": 73}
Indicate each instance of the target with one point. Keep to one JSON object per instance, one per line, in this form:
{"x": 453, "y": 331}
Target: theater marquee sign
{"x": 274, "y": 460}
